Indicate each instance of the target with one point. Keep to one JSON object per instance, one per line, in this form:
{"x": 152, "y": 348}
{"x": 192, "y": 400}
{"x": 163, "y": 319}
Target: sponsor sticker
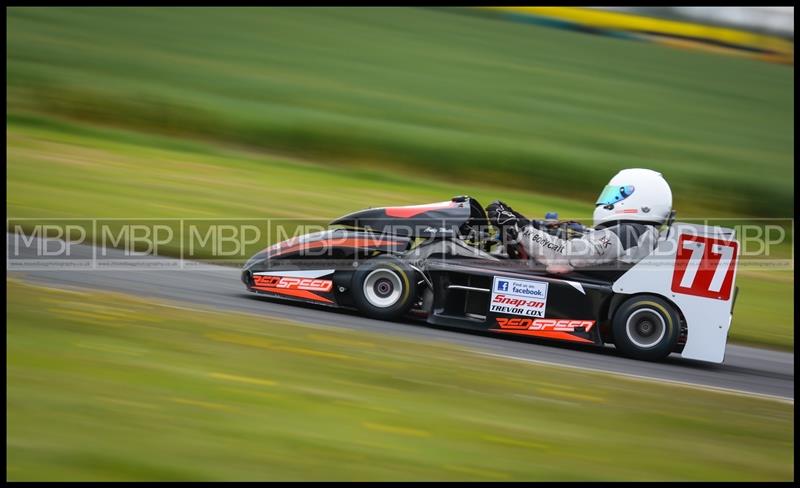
{"x": 292, "y": 283}
{"x": 547, "y": 243}
{"x": 560, "y": 325}
{"x": 518, "y": 297}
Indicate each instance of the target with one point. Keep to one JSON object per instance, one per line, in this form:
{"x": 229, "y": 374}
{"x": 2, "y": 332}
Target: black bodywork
{"x": 459, "y": 266}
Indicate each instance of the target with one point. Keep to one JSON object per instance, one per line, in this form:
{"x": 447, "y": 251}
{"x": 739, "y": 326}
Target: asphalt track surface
{"x": 746, "y": 370}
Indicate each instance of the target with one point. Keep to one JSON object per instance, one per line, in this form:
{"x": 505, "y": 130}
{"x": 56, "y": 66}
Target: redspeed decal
{"x": 562, "y": 325}
{"x": 547, "y": 328}
{"x": 293, "y": 283}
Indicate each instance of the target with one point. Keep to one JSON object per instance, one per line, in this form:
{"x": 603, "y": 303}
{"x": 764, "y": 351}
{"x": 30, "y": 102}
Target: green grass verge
{"x": 106, "y": 387}
{"x": 462, "y": 98}
{"x": 72, "y": 171}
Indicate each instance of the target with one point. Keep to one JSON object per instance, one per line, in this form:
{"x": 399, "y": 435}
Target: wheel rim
{"x": 382, "y": 288}
{"x": 645, "y": 328}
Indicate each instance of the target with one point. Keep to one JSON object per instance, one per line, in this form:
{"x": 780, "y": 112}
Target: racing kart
{"x": 444, "y": 263}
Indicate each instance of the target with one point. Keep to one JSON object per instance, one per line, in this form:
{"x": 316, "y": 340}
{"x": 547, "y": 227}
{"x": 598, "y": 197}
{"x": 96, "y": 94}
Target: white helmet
{"x": 634, "y": 194}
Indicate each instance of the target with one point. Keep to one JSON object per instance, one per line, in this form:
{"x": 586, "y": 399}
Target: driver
{"x": 627, "y": 216}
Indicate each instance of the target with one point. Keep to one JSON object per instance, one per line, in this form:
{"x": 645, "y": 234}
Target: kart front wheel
{"x": 646, "y": 327}
{"x": 384, "y": 288}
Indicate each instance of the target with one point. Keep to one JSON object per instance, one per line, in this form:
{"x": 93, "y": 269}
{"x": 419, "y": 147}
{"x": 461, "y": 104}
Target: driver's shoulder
{"x": 629, "y": 233}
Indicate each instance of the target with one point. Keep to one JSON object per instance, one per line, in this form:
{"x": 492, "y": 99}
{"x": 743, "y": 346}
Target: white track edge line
{"x": 632, "y": 376}
{"x": 650, "y": 379}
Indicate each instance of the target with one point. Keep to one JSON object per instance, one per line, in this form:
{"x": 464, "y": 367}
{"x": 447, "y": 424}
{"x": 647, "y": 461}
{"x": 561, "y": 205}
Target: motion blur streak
{"x": 222, "y": 131}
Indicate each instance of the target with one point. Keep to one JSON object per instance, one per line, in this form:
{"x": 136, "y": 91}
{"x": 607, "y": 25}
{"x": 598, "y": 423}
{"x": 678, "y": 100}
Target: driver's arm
{"x": 562, "y": 255}
{"x": 595, "y": 247}
{"x": 592, "y": 248}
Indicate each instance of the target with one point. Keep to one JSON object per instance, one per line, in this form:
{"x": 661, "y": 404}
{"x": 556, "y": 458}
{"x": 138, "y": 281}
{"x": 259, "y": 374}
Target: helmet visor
{"x": 612, "y": 194}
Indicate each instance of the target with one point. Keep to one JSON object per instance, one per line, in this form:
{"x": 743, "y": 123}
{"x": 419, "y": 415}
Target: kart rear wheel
{"x": 384, "y": 288}
{"x": 646, "y": 327}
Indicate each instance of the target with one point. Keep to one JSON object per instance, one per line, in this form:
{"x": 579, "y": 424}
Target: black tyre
{"x": 646, "y": 327}
{"x": 384, "y": 288}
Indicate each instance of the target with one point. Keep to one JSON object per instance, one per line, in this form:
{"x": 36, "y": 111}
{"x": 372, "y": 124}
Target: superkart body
{"x": 441, "y": 263}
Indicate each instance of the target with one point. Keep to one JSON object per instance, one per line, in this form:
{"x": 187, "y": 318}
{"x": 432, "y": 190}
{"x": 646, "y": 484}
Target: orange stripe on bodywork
{"x": 548, "y": 334}
{"x": 414, "y": 210}
{"x": 347, "y": 242}
{"x": 295, "y": 293}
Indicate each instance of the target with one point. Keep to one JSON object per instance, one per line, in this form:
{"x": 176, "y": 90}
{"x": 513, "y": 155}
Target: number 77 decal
{"x": 704, "y": 266}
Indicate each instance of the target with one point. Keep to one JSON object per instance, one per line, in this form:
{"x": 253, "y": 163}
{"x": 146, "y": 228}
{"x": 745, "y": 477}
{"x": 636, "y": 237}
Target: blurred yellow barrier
{"x": 650, "y": 25}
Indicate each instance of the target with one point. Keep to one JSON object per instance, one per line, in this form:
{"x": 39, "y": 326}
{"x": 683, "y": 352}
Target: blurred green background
{"x": 311, "y": 113}
{"x": 452, "y": 97}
